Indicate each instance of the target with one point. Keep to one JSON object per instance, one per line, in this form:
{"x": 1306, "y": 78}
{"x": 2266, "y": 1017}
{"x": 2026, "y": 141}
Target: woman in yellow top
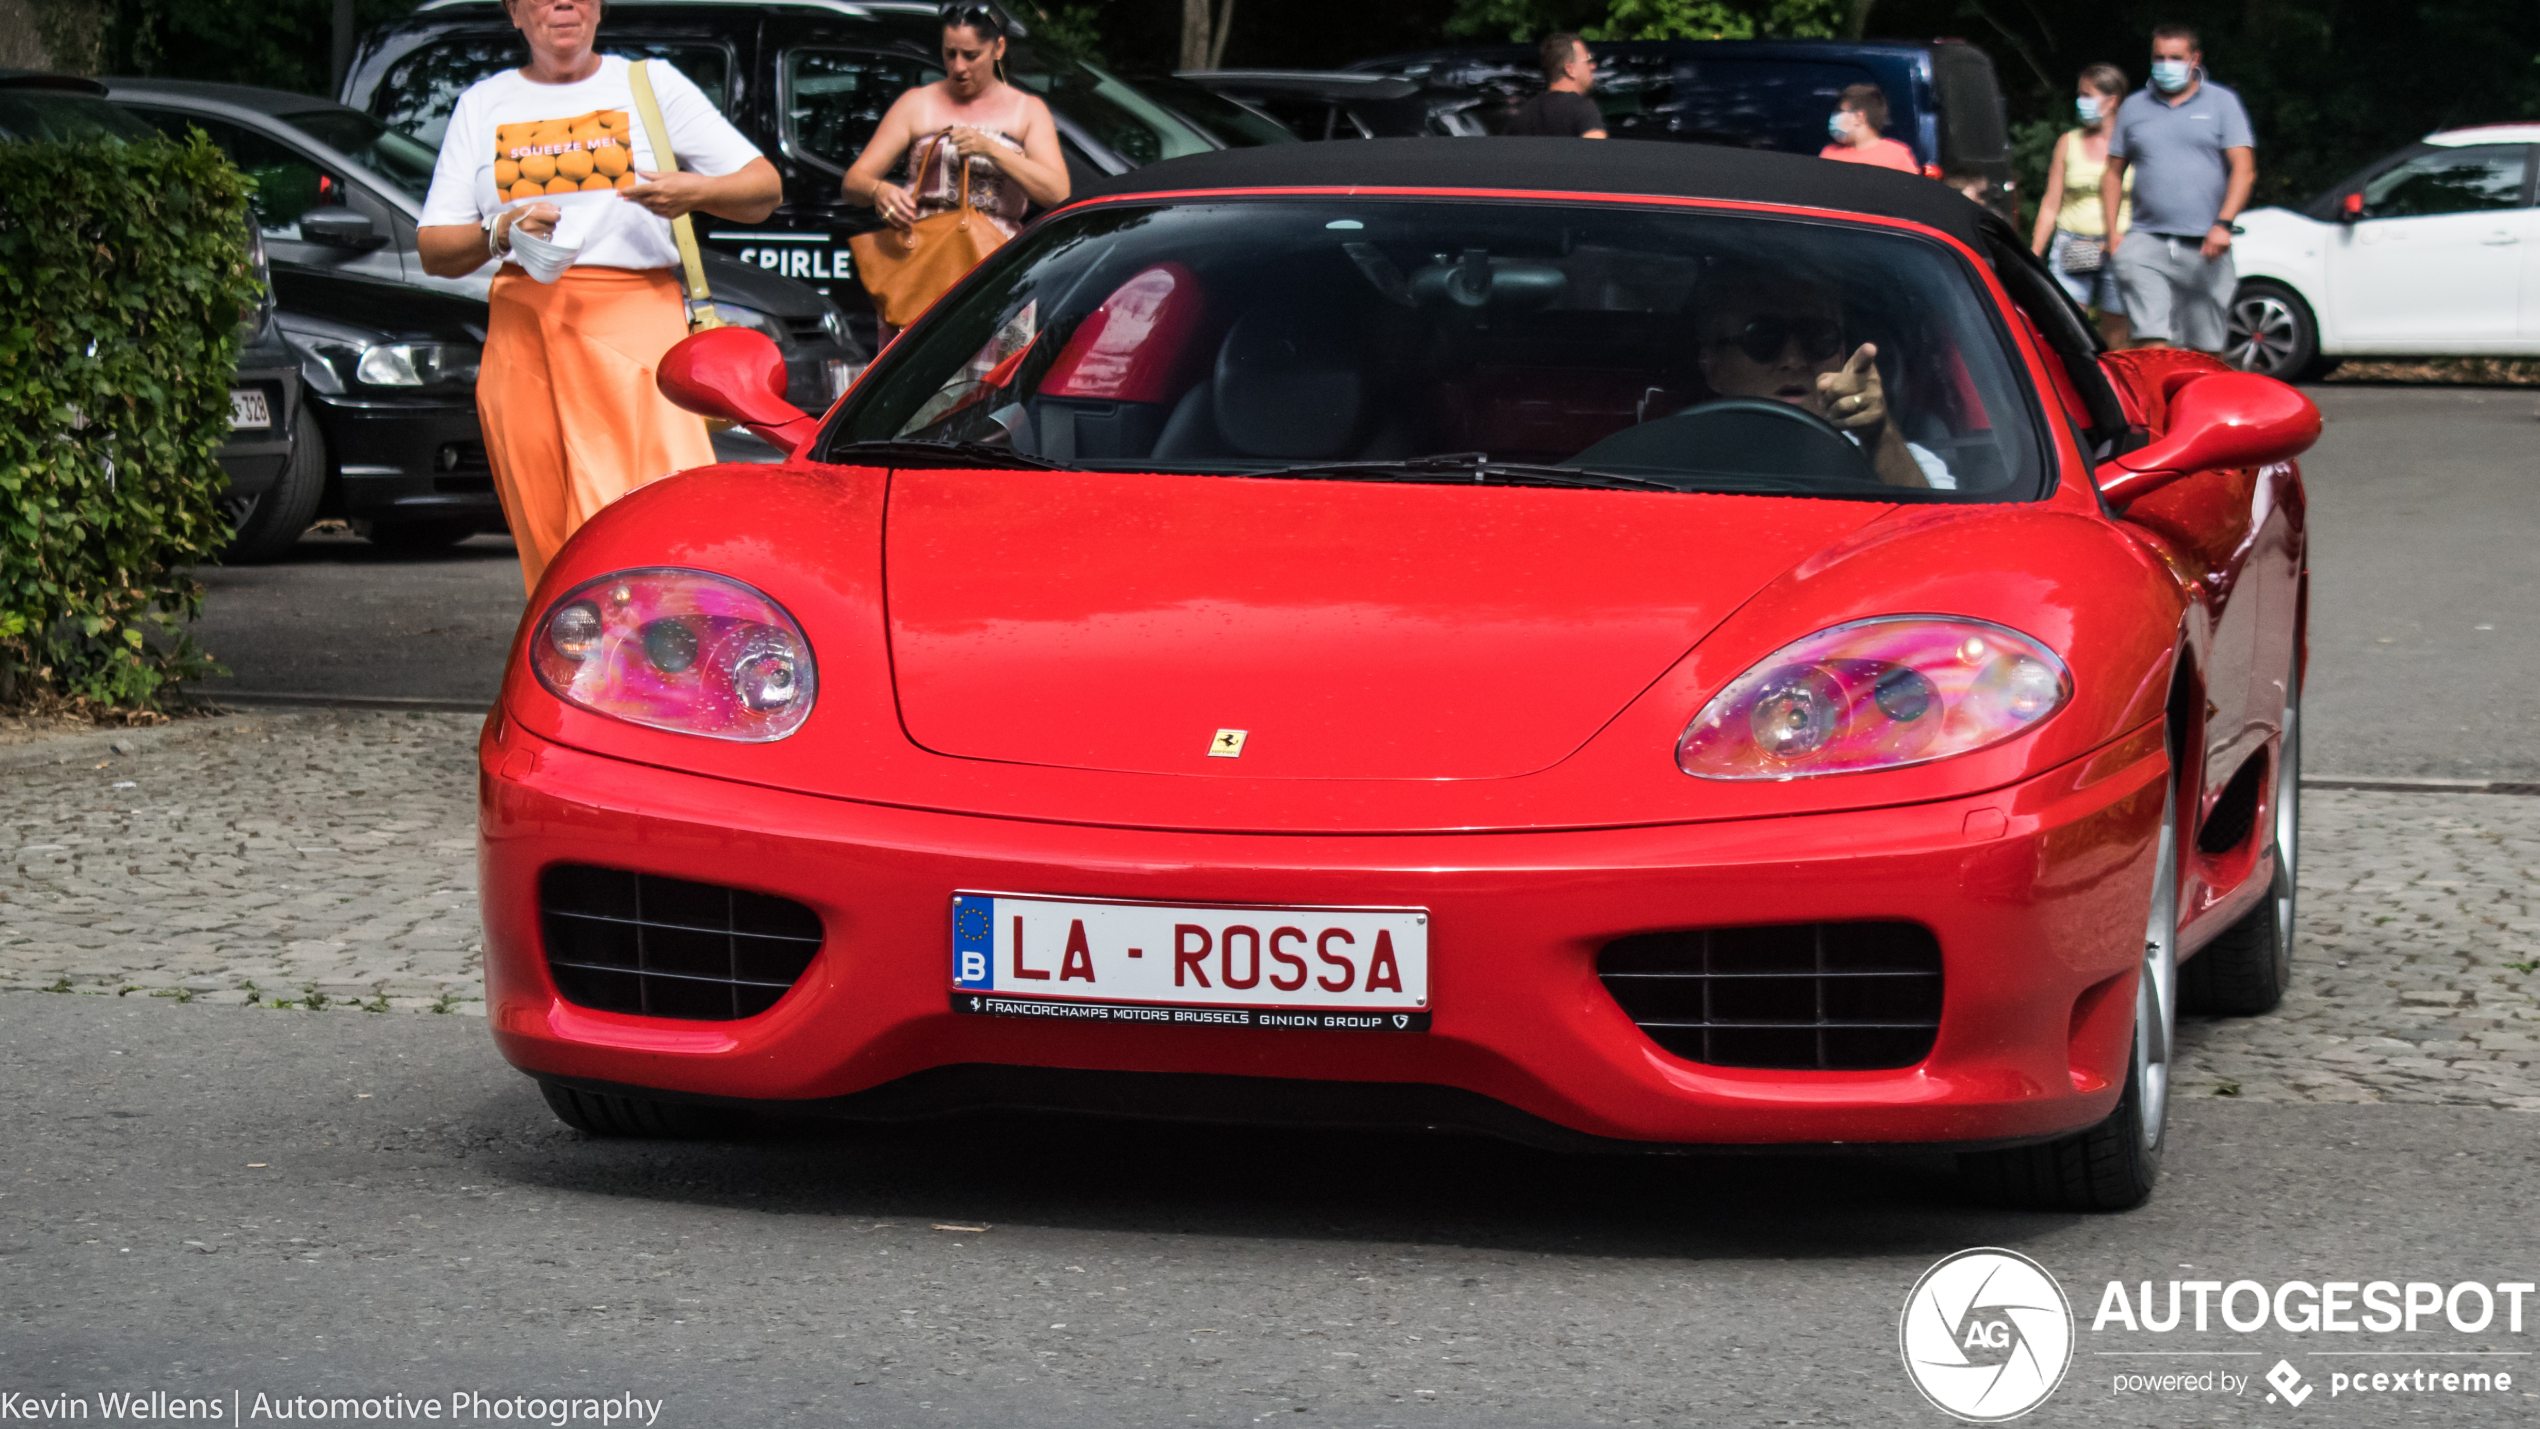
{"x": 2071, "y": 229}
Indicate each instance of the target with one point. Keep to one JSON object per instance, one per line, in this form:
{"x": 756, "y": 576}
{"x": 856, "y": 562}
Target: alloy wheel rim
{"x": 2261, "y": 336}
{"x": 2156, "y": 993}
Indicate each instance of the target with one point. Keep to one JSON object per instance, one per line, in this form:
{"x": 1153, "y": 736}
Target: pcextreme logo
{"x": 1986, "y": 1334}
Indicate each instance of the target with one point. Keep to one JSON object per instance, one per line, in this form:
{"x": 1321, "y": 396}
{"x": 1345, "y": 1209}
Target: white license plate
{"x": 247, "y": 408}
{"x": 1087, "y": 960}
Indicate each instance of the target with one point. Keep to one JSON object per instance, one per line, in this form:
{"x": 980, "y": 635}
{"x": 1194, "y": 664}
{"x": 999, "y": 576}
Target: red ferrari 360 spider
{"x": 1618, "y": 645}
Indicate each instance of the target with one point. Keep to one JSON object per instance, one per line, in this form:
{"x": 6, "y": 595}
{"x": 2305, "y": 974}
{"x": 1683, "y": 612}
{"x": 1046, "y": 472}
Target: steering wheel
{"x": 1739, "y": 436}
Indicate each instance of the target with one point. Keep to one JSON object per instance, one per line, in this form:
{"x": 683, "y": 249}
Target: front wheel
{"x": 2273, "y": 333}
{"x": 2112, "y": 1166}
{"x": 269, "y": 524}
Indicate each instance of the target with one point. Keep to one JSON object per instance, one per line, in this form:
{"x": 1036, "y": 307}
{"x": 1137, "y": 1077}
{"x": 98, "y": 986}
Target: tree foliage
{"x": 2330, "y": 84}
{"x": 279, "y": 44}
{"x": 123, "y": 274}
{"x": 1525, "y": 20}
{"x": 1720, "y": 20}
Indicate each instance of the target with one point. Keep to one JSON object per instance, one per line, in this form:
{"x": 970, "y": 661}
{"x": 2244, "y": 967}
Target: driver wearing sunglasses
{"x": 1780, "y": 337}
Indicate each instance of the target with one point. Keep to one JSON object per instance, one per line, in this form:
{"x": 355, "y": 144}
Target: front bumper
{"x": 407, "y": 461}
{"x": 2036, "y": 893}
{"x": 255, "y": 457}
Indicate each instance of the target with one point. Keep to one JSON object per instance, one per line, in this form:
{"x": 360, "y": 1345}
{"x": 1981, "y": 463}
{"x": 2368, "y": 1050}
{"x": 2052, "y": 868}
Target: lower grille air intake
{"x": 1821, "y": 996}
{"x": 665, "y": 947}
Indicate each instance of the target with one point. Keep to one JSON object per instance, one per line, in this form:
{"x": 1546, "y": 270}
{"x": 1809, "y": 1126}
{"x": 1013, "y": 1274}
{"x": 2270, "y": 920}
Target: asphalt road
{"x": 2426, "y": 652}
{"x": 209, "y": 1199}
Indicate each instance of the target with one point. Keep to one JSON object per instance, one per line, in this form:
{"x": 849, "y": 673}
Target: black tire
{"x": 607, "y": 1114}
{"x": 2113, "y": 1165}
{"x": 269, "y": 525}
{"x": 415, "y": 536}
{"x": 2244, "y": 971}
{"x": 2273, "y": 332}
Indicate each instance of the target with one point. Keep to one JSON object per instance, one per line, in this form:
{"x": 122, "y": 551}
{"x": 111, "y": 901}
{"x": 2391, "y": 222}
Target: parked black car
{"x": 1337, "y": 104}
{"x": 389, "y": 353}
{"x": 265, "y": 410}
{"x": 807, "y": 82}
{"x": 1943, "y": 98}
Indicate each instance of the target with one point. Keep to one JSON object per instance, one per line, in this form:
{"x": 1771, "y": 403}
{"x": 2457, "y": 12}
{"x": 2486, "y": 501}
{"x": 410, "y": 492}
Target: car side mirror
{"x": 2351, "y": 207}
{"x": 341, "y": 228}
{"x": 2218, "y": 421}
{"x": 737, "y": 375}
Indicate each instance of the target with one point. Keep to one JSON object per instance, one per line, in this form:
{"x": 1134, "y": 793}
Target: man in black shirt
{"x": 1563, "y": 110}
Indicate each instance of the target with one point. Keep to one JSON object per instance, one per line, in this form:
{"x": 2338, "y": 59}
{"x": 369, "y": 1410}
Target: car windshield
{"x": 420, "y": 89}
{"x": 1120, "y": 118}
{"x": 1234, "y": 125}
{"x": 53, "y": 116}
{"x": 1423, "y": 340}
{"x": 373, "y": 145}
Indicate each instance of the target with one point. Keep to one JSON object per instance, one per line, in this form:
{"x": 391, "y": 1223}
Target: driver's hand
{"x": 1854, "y": 399}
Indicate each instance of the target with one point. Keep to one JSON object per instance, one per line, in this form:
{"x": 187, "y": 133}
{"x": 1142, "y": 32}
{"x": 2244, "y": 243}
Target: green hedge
{"x": 123, "y": 273}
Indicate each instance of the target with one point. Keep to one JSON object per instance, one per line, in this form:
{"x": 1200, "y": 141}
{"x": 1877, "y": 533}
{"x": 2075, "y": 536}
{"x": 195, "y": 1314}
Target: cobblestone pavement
{"x": 326, "y": 860}
{"x": 314, "y": 858}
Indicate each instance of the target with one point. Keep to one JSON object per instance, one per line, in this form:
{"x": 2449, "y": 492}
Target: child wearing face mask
{"x": 1856, "y": 125}
{"x": 2072, "y": 227}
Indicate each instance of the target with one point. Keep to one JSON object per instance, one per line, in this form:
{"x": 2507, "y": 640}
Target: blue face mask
{"x": 1839, "y": 125}
{"x": 2087, "y": 106}
{"x": 2169, "y": 76}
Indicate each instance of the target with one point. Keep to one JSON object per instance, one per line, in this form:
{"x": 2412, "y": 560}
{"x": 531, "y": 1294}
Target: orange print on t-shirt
{"x": 587, "y": 153}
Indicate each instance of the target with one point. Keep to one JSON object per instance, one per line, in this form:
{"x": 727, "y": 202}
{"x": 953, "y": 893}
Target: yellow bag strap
{"x": 683, "y": 229}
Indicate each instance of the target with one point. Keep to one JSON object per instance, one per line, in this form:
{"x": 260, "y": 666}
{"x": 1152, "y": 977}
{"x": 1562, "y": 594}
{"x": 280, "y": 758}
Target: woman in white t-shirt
{"x": 557, "y": 150}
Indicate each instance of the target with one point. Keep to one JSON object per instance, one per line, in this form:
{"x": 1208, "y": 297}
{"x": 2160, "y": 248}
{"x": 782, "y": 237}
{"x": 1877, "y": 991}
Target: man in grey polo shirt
{"x": 2188, "y": 140}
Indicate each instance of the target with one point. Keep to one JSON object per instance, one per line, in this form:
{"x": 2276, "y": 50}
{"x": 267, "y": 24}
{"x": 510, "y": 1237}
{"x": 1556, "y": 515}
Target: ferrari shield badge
{"x": 1229, "y": 744}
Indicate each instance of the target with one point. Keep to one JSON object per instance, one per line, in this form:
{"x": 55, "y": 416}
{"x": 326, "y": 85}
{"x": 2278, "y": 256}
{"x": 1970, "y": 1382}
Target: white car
{"x": 2433, "y": 251}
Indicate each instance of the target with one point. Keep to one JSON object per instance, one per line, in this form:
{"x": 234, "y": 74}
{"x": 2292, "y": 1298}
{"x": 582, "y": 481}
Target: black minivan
{"x": 1943, "y": 98}
{"x": 807, "y": 81}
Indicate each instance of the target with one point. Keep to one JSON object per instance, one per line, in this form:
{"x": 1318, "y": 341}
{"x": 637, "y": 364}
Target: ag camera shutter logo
{"x": 1986, "y": 1335}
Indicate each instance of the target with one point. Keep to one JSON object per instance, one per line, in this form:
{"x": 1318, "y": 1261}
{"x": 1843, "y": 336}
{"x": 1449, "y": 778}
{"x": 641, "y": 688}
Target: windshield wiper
{"x": 1476, "y": 466}
{"x": 899, "y": 450}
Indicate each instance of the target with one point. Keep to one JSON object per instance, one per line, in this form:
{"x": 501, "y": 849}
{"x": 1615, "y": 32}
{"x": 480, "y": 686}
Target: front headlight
{"x": 678, "y": 650}
{"x": 417, "y": 367}
{"x": 418, "y": 364}
{"x": 734, "y": 315}
{"x": 1875, "y": 694}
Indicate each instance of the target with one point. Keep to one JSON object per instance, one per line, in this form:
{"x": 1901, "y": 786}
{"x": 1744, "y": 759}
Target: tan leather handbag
{"x": 907, "y": 272}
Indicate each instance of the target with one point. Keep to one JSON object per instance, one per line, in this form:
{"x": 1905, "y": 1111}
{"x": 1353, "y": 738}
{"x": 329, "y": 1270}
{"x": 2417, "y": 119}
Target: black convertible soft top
{"x": 1576, "y": 165}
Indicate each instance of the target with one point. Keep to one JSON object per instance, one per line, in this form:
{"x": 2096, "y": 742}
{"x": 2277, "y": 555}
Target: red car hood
{"x": 1351, "y": 631}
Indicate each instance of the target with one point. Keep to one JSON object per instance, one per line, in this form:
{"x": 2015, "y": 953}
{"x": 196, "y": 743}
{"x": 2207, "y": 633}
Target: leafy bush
{"x": 123, "y": 272}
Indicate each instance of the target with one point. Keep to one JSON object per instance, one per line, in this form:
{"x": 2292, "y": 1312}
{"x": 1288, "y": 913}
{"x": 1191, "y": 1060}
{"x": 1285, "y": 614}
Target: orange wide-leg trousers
{"x": 572, "y": 418}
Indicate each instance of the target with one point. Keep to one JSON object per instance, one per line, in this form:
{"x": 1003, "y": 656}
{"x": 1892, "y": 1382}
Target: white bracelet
{"x": 497, "y": 241}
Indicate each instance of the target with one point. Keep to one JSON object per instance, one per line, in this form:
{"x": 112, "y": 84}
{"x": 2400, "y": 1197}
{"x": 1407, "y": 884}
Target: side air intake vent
{"x": 665, "y": 947}
{"x": 1808, "y": 995}
{"x": 2235, "y": 812}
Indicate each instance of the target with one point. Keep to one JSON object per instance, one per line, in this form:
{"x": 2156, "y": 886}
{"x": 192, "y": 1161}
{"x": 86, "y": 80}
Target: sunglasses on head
{"x": 973, "y": 15}
{"x": 1765, "y": 339}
